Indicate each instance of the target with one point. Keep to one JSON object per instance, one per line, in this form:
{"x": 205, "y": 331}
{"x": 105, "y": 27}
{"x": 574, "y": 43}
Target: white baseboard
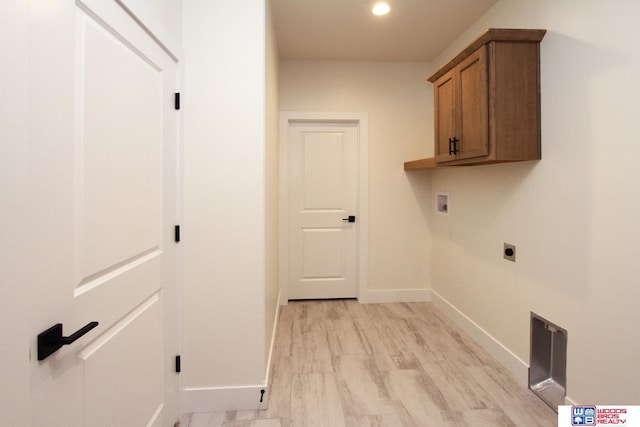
{"x": 210, "y": 399}
{"x": 502, "y": 354}
{"x": 232, "y": 398}
{"x": 396, "y": 295}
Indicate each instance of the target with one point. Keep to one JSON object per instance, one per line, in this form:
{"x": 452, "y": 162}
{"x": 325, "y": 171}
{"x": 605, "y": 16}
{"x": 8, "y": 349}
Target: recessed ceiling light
{"x": 380, "y": 9}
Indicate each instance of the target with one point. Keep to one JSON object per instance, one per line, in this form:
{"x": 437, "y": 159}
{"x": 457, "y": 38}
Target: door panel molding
{"x": 145, "y": 20}
{"x": 360, "y": 119}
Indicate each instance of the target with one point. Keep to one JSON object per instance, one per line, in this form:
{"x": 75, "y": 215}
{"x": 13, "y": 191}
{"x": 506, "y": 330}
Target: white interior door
{"x": 103, "y": 205}
{"x": 322, "y": 177}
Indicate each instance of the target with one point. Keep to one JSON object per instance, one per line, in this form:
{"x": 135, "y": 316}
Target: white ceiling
{"x": 414, "y": 30}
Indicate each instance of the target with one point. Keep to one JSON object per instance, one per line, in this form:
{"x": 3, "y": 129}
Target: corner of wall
{"x": 250, "y": 397}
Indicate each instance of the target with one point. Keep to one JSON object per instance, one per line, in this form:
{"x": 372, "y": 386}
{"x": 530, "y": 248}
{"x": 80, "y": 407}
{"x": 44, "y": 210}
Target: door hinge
{"x": 178, "y": 367}
{"x": 176, "y": 101}
{"x": 176, "y": 233}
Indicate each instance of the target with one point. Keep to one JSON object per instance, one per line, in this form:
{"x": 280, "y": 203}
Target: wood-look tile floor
{"x": 339, "y": 363}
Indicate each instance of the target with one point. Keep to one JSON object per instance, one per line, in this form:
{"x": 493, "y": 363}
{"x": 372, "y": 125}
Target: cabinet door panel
{"x": 445, "y": 119}
{"x": 473, "y": 102}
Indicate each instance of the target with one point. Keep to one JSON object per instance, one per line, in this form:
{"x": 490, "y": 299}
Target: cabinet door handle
{"x": 453, "y": 146}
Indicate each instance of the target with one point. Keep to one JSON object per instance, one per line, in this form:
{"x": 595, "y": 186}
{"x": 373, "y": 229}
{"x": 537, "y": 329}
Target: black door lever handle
{"x": 52, "y": 340}
{"x": 350, "y": 218}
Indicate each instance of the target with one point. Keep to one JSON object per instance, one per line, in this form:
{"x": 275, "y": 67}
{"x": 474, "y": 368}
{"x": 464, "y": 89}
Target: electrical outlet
{"x": 509, "y": 252}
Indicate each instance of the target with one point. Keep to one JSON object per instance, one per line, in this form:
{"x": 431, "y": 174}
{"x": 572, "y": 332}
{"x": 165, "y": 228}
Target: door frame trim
{"x": 361, "y": 119}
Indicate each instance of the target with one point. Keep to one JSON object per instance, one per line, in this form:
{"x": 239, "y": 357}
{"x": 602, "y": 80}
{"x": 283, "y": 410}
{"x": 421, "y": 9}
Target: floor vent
{"x": 548, "y": 361}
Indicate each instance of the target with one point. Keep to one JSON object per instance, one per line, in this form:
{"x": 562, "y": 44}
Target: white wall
{"x": 573, "y": 215}
{"x": 271, "y": 182}
{"x": 399, "y": 103}
{"x": 224, "y": 199}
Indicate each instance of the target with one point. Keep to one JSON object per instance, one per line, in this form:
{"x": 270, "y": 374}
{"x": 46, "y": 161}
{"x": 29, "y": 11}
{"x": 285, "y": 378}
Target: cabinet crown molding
{"x": 492, "y": 34}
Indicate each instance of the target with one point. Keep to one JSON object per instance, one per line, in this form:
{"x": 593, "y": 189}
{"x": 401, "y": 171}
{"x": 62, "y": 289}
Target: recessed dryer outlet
{"x": 548, "y": 361}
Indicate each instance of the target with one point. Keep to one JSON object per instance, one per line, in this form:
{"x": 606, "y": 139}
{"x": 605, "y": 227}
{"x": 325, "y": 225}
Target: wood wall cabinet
{"x": 487, "y": 100}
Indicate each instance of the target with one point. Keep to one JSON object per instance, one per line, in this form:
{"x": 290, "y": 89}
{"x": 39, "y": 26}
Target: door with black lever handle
{"x": 52, "y": 340}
